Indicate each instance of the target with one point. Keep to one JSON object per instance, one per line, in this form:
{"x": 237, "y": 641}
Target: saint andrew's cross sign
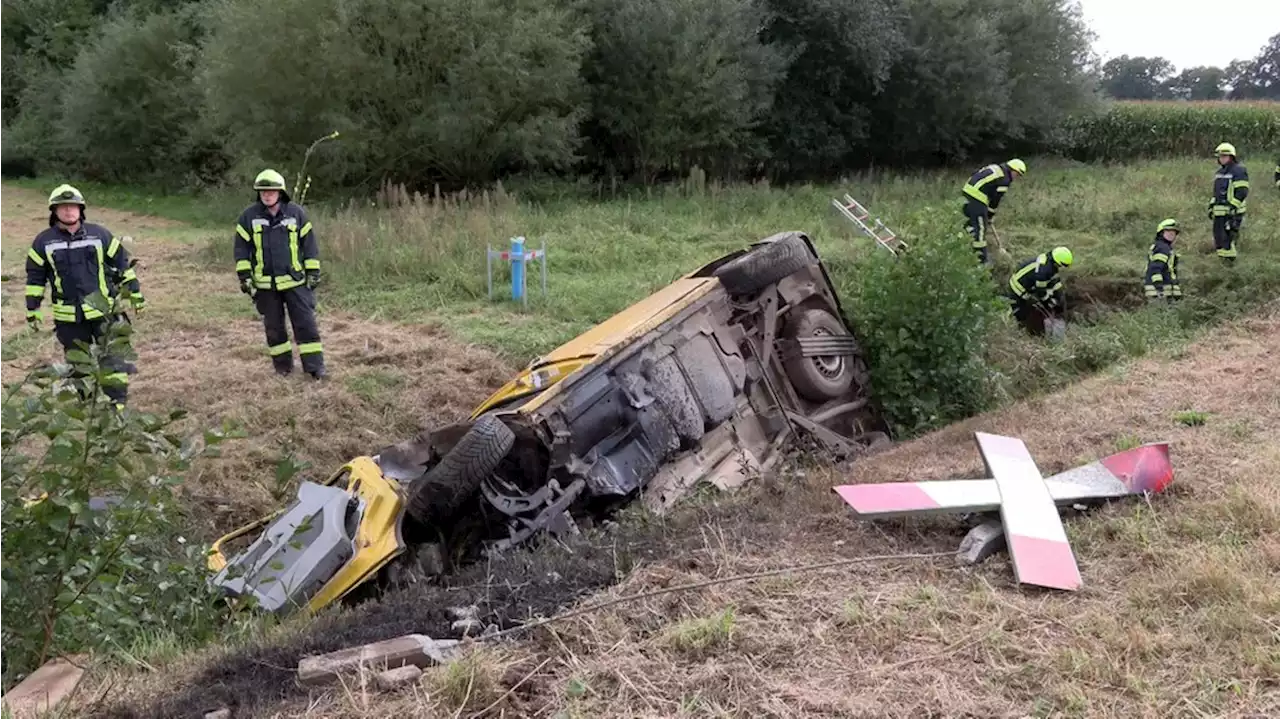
{"x": 1027, "y": 503}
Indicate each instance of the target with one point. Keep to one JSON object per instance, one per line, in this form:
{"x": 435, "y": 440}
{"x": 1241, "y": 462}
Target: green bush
{"x": 130, "y": 108}
{"x": 80, "y": 573}
{"x": 421, "y": 92}
{"x": 675, "y": 83}
{"x": 924, "y": 318}
{"x": 1126, "y": 130}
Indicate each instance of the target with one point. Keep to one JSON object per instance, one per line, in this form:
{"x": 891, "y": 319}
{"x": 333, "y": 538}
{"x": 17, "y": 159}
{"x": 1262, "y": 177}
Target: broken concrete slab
{"x": 1135, "y": 471}
{"x": 417, "y": 649}
{"x": 223, "y": 713}
{"x": 46, "y": 687}
{"x": 981, "y": 542}
{"x": 393, "y": 679}
{"x": 1033, "y": 530}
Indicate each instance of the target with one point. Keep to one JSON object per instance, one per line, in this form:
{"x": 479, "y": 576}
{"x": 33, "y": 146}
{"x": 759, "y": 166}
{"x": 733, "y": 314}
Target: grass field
{"x": 413, "y": 259}
{"x": 1175, "y": 620}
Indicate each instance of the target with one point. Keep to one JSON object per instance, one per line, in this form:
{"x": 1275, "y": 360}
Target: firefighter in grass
{"x": 278, "y": 265}
{"x": 1036, "y": 286}
{"x": 78, "y": 259}
{"x": 1227, "y": 208}
{"x": 1161, "y": 278}
{"x": 982, "y": 194}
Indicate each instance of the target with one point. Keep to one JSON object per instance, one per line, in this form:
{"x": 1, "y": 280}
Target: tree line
{"x": 1155, "y": 78}
{"x": 194, "y": 93}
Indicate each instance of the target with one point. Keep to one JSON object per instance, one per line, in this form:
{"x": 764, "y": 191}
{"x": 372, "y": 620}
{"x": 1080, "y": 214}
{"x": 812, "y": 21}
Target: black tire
{"x": 819, "y": 378}
{"x": 764, "y": 265}
{"x": 457, "y": 476}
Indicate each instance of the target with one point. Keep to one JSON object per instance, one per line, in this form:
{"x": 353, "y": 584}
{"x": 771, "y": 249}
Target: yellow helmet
{"x": 1062, "y": 256}
{"x": 1169, "y": 224}
{"x": 268, "y": 180}
{"x": 1225, "y": 148}
{"x": 1018, "y": 165}
{"x": 65, "y": 195}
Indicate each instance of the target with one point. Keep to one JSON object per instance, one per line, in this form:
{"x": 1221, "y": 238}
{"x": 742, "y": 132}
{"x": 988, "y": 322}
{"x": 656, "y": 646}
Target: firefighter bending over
{"x": 982, "y": 194}
{"x": 78, "y": 259}
{"x": 1161, "y": 278}
{"x": 1035, "y": 288}
{"x": 278, "y": 265}
{"x": 1227, "y": 208}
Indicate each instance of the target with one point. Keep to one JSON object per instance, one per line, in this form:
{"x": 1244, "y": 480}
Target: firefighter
{"x": 78, "y": 259}
{"x": 1161, "y": 278}
{"x": 278, "y": 265}
{"x": 1035, "y": 288}
{"x": 982, "y": 195}
{"x": 1227, "y": 208}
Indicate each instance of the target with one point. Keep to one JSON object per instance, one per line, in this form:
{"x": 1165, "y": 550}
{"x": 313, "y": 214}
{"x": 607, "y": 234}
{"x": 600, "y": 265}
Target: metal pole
{"x": 488, "y": 268}
{"x": 544, "y": 269}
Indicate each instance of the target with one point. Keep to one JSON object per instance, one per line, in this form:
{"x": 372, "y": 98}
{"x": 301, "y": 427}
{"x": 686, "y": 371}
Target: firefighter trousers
{"x": 70, "y": 334}
{"x": 1225, "y": 232}
{"x": 300, "y": 305}
{"x": 975, "y": 224}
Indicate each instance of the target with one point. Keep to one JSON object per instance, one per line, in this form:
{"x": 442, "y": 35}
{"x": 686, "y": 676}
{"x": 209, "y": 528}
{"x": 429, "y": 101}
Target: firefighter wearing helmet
{"x": 1161, "y": 278}
{"x": 78, "y": 259}
{"x": 278, "y": 266}
{"x": 1227, "y": 208}
{"x": 982, "y": 195}
{"x": 1035, "y": 288}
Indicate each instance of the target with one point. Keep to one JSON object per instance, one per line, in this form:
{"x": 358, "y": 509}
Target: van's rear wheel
{"x": 823, "y": 377}
{"x": 445, "y": 487}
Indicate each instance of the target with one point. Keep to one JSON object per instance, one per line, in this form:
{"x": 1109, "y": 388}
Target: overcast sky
{"x": 1185, "y": 32}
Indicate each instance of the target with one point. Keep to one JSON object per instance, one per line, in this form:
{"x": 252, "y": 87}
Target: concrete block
{"x": 417, "y": 649}
{"x": 981, "y": 542}
{"x": 45, "y": 688}
{"x": 223, "y": 713}
{"x": 399, "y": 677}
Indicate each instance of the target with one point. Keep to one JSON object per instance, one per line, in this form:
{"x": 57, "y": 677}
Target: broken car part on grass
{"x": 704, "y": 381}
{"x": 1033, "y": 520}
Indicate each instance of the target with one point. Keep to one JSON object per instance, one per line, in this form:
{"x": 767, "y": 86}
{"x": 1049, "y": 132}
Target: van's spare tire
{"x": 818, "y": 378}
{"x": 762, "y": 266}
{"x": 457, "y": 476}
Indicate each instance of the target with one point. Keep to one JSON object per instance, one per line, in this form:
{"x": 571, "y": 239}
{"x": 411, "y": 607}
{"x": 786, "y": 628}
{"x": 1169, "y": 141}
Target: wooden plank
{"x": 1037, "y": 541}
{"x": 45, "y": 688}
{"x": 416, "y": 649}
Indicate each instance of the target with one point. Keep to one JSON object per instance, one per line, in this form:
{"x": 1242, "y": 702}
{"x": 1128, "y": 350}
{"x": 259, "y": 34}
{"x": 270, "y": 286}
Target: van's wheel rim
{"x": 831, "y": 366}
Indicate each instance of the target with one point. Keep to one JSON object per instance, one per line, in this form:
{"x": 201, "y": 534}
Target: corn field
{"x": 1126, "y": 130}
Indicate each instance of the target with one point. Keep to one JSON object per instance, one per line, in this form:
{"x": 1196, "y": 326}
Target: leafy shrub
{"x": 1126, "y": 130}
{"x": 924, "y": 318}
{"x": 93, "y": 558}
{"x": 677, "y": 82}
{"x": 421, "y": 92}
{"x": 130, "y": 107}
